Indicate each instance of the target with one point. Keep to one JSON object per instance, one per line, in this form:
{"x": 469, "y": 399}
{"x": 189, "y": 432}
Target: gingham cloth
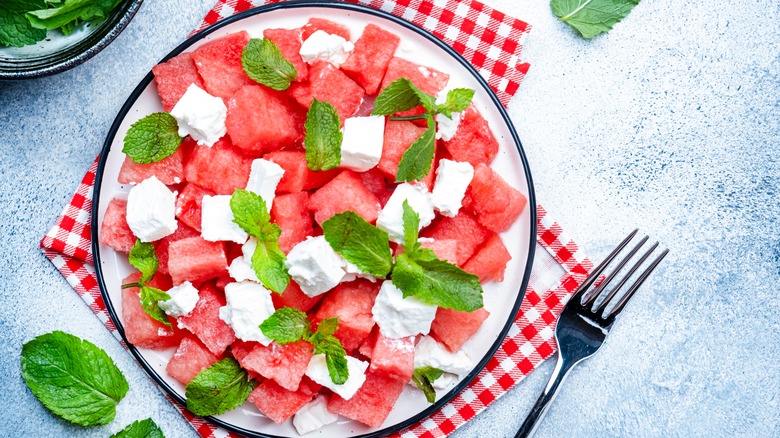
{"x": 491, "y": 41}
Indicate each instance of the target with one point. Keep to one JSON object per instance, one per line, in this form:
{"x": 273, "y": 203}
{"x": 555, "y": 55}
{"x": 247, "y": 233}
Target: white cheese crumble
{"x": 248, "y": 305}
{"x": 151, "y": 210}
{"x": 452, "y": 180}
{"x": 184, "y": 297}
{"x": 217, "y": 221}
{"x": 391, "y": 218}
{"x": 263, "y": 179}
{"x": 363, "y": 140}
{"x": 446, "y": 127}
{"x": 314, "y": 266}
{"x": 399, "y": 317}
{"x": 241, "y": 270}
{"x": 313, "y": 416}
{"x": 429, "y": 353}
{"x": 201, "y": 116}
{"x": 318, "y": 371}
{"x": 322, "y": 46}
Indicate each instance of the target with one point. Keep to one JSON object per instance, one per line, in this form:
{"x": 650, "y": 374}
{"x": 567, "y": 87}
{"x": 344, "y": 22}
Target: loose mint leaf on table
{"x": 73, "y": 378}
{"x": 143, "y": 258}
{"x": 423, "y": 377}
{"x": 218, "y": 389}
{"x": 396, "y": 97}
{"x": 287, "y": 325}
{"x": 323, "y": 136}
{"x": 592, "y": 17}
{"x": 458, "y": 100}
{"x": 416, "y": 161}
{"x": 15, "y": 29}
{"x": 411, "y": 228}
{"x": 152, "y": 138}
{"x": 359, "y": 242}
{"x": 263, "y": 62}
{"x": 150, "y": 298}
{"x": 140, "y": 429}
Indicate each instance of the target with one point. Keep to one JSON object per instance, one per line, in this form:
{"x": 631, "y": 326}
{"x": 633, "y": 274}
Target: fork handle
{"x": 534, "y": 418}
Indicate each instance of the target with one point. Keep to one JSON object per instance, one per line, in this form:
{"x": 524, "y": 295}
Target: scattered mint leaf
{"x": 396, "y": 97}
{"x": 150, "y": 298}
{"x": 73, "y": 378}
{"x": 15, "y": 29}
{"x": 411, "y": 228}
{"x": 70, "y": 12}
{"x": 143, "y": 258}
{"x": 287, "y": 325}
{"x": 423, "y": 377}
{"x": 592, "y": 17}
{"x": 359, "y": 242}
{"x": 152, "y": 138}
{"x": 328, "y": 326}
{"x": 263, "y": 62}
{"x": 218, "y": 389}
{"x": 416, "y": 161}
{"x": 268, "y": 264}
{"x": 323, "y": 136}
{"x": 140, "y": 429}
{"x": 335, "y": 357}
{"x": 426, "y": 100}
{"x": 458, "y": 100}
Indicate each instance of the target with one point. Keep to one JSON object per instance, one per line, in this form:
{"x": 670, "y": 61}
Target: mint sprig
{"x": 218, "y": 389}
{"x": 416, "y": 161}
{"x": 396, "y": 97}
{"x": 359, "y": 242}
{"x": 152, "y": 138}
{"x": 143, "y": 257}
{"x": 411, "y": 222}
{"x": 424, "y": 377}
{"x": 286, "y": 325}
{"x": 140, "y": 429}
{"x": 15, "y": 29}
{"x": 457, "y": 100}
{"x": 323, "y": 136}
{"x": 264, "y": 63}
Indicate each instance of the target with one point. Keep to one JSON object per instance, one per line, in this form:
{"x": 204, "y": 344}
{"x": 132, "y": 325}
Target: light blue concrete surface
{"x": 668, "y": 123}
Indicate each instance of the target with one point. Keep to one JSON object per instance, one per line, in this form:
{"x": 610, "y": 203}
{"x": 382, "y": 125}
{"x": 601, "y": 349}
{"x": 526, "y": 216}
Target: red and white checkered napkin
{"x": 491, "y": 41}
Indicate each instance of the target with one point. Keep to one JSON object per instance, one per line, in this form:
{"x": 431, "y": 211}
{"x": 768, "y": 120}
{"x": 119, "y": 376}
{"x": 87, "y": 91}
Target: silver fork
{"x": 584, "y": 324}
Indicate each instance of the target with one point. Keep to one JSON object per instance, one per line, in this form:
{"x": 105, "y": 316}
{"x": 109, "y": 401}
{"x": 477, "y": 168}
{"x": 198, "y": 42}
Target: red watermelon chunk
{"x": 367, "y": 347}
{"x": 141, "y": 329}
{"x": 260, "y": 119}
{"x": 114, "y": 231}
{"x": 204, "y": 321}
{"x": 425, "y": 78}
{"x": 351, "y": 303}
{"x": 285, "y": 364}
{"x": 182, "y": 232}
{"x": 345, "y": 192}
{"x": 291, "y": 213}
{"x": 173, "y": 77}
{"x": 239, "y": 350}
{"x": 219, "y": 64}
{"x": 453, "y": 328}
{"x": 329, "y": 84}
{"x": 445, "y": 249}
{"x": 220, "y": 168}
{"x": 368, "y": 62}
{"x": 399, "y": 135}
{"x": 278, "y": 403}
{"x": 393, "y": 357}
{"x": 289, "y": 42}
{"x": 196, "y": 260}
{"x": 297, "y": 175}
{"x": 294, "y": 297}
{"x": 489, "y": 262}
{"x": 372, "y": 403}
{"x": 314, "y": 24}
{"x": 495, "y": 203}
{"x": 189, "y": 205}
{"x": 473, "y": 141}
{"x": 169, "y": 170}
{"x": 463, "y": 228}
{"x": 189, "y": 359}
{"x": 375, "y": 182}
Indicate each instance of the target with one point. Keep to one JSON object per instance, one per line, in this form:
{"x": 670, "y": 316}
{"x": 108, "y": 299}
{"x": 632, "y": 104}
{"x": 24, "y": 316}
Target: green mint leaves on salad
{"x": 152, "y": 138}
{"x": 286, "y": 325}
{"x": 359, "y": 242}
{"x": 263, "y": 63}
{"x": 592, "y": 17}
{"x": 417, "y": 160}
{"x": 424, "y": 377}
{"x": 218, "y": 389}
{"x": 251, "y": 214}
{"x": 396, "y": 97}
{"x": 73, "y": 378}
{"x": 323, "y": 136}
{"x": 140, "y": 429}
{"x": 143, "y": 258}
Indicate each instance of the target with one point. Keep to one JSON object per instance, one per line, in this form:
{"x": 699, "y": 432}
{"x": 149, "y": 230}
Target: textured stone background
{"x": 668, "y": 123}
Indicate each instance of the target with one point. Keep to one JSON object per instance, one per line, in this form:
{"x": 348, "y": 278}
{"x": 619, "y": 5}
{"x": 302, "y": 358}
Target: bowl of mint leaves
{"x": 45, "y": 37}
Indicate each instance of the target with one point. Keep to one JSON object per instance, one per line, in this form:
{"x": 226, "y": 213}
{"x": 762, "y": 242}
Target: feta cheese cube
{"x": 322, "y": 46}
{"x": 353, "y": 272}
{"x": 184, "y": 297}
{"x": 248, "y": 305}
{"x": 201, "y": 116}
{"x": 314, "y": 416}
{"x": 429, "y": 353}
{"x": 399, "y": 317}
{"x": 318, "y": 371}
{"x": 241, "y": 269}
{"x": 314, "y": 266}
{"x": 446, "y": 127}
{"x": 391, "y": 218}
{"x": 452, "y": 180}
{"x": 363, "y": 140}
{"x": 151, "y": 210}
{"x": 217, "y": 221}
{"x": 263, "y": 179}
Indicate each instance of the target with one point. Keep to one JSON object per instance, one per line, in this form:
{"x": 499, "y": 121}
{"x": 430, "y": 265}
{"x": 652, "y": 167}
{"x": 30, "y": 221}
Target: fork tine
{"x": 614, "y": 274}
{"x": 601, "y": 267}
{"x": 623, "y": 301}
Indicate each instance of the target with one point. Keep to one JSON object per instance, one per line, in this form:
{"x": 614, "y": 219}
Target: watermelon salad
{"x": 314, "y": 215}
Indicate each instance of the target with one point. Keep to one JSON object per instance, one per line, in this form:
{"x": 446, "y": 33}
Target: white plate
{"x": 501, "y": 299}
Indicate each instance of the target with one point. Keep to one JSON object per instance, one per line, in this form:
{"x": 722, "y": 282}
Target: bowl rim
{"x": 315, "y": 4}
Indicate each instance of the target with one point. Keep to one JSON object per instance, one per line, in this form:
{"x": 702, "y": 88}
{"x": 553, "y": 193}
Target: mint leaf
{"x": 411, "y": 228}
{"x": 73, "y": 378}
{"x": 67, "y": 14}
{"x": 263, "y": 63}
{"x": 143, "y": 258}
{"x": 335, "y": 357}
{"x": 286, "y": 325}
{"x": 268, "y": 264}
{"x": 140, "y": 429}
{"x": 359, "y": 242}
{"x": 458, "y": 100}
{"x": 152, "y": 138}
{"x": 416, "y": 161}
{"x": 396, "y": 97}
{"x": 592, "y": 17}
{"x": 423, "y": 377}
{"x": 328, "y": 326}
{"x": 323, "y": 136}
{"x": 150, "y": 298}
{"x": 15, "y": 29}
{"x": 218, "y": 389}
{"x": 426, "y": 100}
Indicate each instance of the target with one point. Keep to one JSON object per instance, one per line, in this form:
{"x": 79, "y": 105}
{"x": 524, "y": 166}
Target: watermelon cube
{"x": 495, "y": 203}
{"x": 196, "y": 260}
{"x": 427, "y": 79}
{"x": 372, "y": 403}
{"x": 445, "y": 249}
{"x": 393, "y": 357}
{"x": 189, "y": 205}
{"x": 219, "y": 64}
{"x": 289, "y": 42}
{"x": 314, "y": 24}
{"x": 351, "y": 303}
{"x": 453, "y": 328}
{"x": 114, "y": 231}
{"x": 205, "y": 323}
{"x": 260, "y": 119}
{"x": 285, "y": 364}
{"x": 220, "y": 168}
{"x": 489, "y": 262}
{"x": 345, "y": 192}
{"x": 278, "y": 403}
{"x": 297, "y": 175}
{"x": 169, "y": 170}
{"x": 473, "y": 141}
{"x": 189, "y": 359}
{"x": 367, "y": 347}
{"x": 291, "y": 213}
{"x": 182, "y": 232}
{"x": 173, "y": 77}
{"x": 294, "y": 297}
{"x": 329, "y": 84}
{"x": 464, "y": 228}
{"x": 141, "y": 329}
{"x": 368, "y": 62}
{"x": 375, "y": 182}
{"x": 399, "y": 135}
